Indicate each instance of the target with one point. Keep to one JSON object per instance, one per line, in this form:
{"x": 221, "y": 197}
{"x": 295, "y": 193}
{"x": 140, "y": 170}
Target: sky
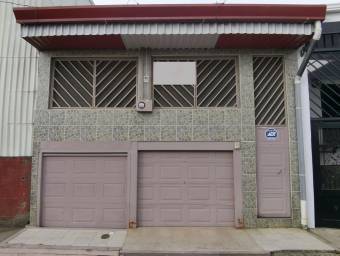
{"x": 214, "y": 1}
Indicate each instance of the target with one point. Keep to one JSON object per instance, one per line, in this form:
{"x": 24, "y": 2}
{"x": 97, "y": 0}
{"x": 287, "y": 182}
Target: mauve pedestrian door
{"x": 84, "y": 191}
{"x": 185, "y": 189}
{"x": 273, "y": 171}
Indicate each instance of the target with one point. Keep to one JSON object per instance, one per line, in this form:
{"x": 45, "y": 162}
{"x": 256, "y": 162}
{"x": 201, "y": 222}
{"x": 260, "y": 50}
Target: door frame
{"x": 316, "y": 124}
{"x": 131, "y": 150}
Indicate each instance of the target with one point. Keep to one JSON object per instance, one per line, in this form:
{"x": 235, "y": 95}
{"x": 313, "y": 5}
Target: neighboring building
{"x": 166, "y": 115}
{"x": 323, "y": 109}
{"x": 18, "y": 80}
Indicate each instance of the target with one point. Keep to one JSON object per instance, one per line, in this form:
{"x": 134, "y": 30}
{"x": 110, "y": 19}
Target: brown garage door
{"x": 84, "y": 191}
{"x": 185, "y": 189}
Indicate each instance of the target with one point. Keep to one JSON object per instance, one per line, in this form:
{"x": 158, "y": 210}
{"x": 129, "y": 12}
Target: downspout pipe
{"x": 316, "y": 37}
{"x": 304, "y": 134}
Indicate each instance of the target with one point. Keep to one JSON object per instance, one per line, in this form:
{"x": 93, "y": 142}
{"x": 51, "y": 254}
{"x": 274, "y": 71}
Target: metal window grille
{"x": 324, "y": 84}
{"x": 216, "y": 85}
{"x": 93, "y": 83}
{"x": 269, "y": 91}
{"x": 174, "y": 95}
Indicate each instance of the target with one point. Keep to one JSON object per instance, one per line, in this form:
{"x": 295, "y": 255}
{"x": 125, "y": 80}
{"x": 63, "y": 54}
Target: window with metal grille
{"x": 214, "y": 85}
{"x": 324, "y": 84}
{"x": 86, "y": 83}
{"x": 269, "y": 91}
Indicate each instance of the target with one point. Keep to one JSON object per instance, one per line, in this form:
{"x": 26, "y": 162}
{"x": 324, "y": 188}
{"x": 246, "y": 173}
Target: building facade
{"x": 168, "y": 120}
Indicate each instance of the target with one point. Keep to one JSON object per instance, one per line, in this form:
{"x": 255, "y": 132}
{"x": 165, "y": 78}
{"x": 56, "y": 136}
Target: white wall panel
{"x": 18, "y": 79}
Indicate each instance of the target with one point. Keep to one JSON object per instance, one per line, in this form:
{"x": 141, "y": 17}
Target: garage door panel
{"x": 55, "y": 189}
{"x": 56, "y": 166}
{"x": 54, "y": 213}
{"x": 98, "y": 179}
{"x": 183, "y": 192}
{"x": 170, "y": 215}
{"x": 225, "y": 193}
{"x": 83, "y": 165}
{"x": 148, "y": 173}
{"x": 199, "y": 172}
{"x": 89, "y": 192}
{"x": 170, "y": 193}
{"x": 83, "y": 215}
{"x": 106, "y": 165}
{"x": 147, "y": 214}
{"x": 225, "y": 215}
{"x": 115, "y": 190}
{"x": 199, "y": 193}
{"x": 169, "y": 171}
{"x": 201, "y": 214}
{"x": 84, "y": 190}
{"x": 222, "y": 174}
{"x": 145, "y": 192}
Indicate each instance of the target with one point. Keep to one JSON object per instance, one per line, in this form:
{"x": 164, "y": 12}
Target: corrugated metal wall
{"x": 18, "y": 77}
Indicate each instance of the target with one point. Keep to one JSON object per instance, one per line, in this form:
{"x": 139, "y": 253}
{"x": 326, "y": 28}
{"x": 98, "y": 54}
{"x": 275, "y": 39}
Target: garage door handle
{"x": 279, "y": 172}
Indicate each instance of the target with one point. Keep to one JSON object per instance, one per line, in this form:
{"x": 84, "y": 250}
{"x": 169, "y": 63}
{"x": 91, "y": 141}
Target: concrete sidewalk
{"x": 165, "y": 241}
{"x": 329, "y": 235}
{"x": 223, "y": 241}
{"x": 5, "y": 233}
{"x": 64, "y": 241}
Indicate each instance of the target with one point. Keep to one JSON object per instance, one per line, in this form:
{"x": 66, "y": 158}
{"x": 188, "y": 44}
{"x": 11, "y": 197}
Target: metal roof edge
{"x": 171, "y": 13}
{"x": 333, "y": 8}
{"x": 45, "y": 30}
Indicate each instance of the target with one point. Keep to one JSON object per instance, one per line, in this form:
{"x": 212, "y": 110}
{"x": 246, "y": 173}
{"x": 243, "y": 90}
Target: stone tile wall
{"x": 200, "y": 124}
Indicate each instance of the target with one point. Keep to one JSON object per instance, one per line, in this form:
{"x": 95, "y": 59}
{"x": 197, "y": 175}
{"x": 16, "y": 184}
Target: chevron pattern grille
{"x": 324, "y": 85}
{"x": 94, "y": 83}
{"x": 216, "y": 86}
{"x": 269, "y": 91}
{"x": 72, "y": 83}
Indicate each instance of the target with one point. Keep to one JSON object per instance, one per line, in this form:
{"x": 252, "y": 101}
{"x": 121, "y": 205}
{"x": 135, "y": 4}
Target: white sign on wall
{"x": 174, "y": 72}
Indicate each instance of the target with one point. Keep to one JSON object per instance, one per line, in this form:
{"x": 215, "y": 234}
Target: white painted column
{"x": 305, "y": 151}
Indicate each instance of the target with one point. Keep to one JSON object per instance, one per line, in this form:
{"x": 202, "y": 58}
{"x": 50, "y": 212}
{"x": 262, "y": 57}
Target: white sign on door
{"x": 271, "y": 134}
